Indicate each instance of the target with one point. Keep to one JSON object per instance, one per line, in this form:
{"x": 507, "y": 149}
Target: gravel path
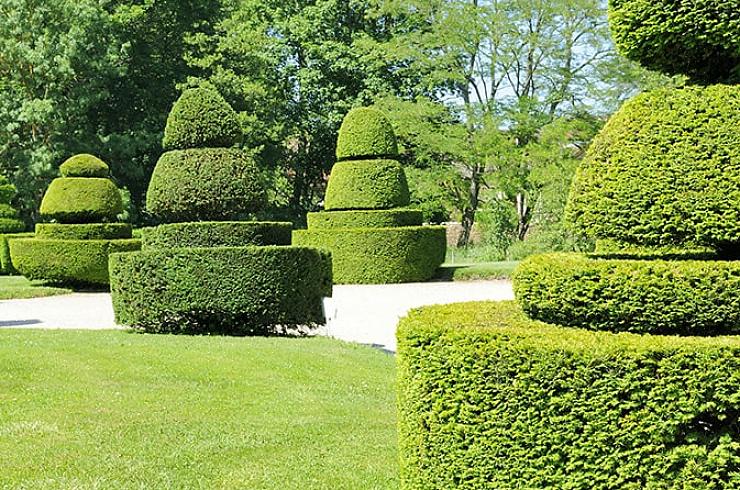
{"x": 364, "y": 314}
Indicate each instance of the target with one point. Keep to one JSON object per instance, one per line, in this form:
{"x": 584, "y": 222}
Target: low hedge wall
{"x": 491, "y": 399}
{"x": 88, "y": 231}
{"x": 674, "y": 297}
{"x": 233, "y": 291}
{"x": 217, "y": 234}
{"x": 367, "y": 184}
{"x": 373, "y": 218}
{"x": 379, "y": 255}
{"x": 69, "y": 262}
{"x": 6, "y": 265}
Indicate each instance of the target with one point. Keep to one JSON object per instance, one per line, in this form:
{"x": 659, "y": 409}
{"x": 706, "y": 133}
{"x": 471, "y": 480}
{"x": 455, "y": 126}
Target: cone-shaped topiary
{"x": 366, "y": 133}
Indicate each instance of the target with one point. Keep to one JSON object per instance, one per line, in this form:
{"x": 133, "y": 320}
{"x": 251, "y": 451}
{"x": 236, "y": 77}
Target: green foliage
{"x": 205, "y": 184}
{"x": 669, "y": 297}
{"x": 373, "y": 218}
{"x": 491, "y": 399}
{"x": 9, "y": 222}
{"x": 81, "y": 200}
{"x": 664, "y": 171}
{"x": 201, "y": 118}
{"x": 84, "y": 165}
{"x": 367, "y": 184}
{"x": 379, "y": 255}
{"x": 217, "y": 234}
{"x": 698, "y": 38}
{"x": 366, "y": 133}
{"x": 69, "y": 262}
{"x": 86, "y": 231}
{"x": 6, "y": 265}
{"x": 232, "y": 291}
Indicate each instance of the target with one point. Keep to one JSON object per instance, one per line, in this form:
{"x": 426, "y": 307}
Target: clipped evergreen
{"x": 10, "y": 223}
{"x": 84, "y": 165}
{"x": 372, "y": 237}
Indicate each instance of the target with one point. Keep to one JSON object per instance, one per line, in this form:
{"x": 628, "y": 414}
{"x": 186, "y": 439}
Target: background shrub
{"x": 81, "y": 200}
{"x": 366, "y": 133}
{"x": 491, "y": 399}
{"x": 217, "y": 234}
{"x": 367, "y": 184}
{"x": 85, "y": 231}
{"x": 233, "y": 291}
{"x": 84, "y": 165}
{"x": 9, "y": 221}
{"x": 373, "y": 218}
{"x": 6, "y": 264}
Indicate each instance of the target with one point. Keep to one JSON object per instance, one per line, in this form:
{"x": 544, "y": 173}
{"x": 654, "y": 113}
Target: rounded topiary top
{"x": 698, "y": 38}
{"x": 665, "y": 170}
{"x": 366, "y": 133}
{"x": 201, "y": 118}
{"x": 84, "y": 165}
{"x": 81, "y": 200}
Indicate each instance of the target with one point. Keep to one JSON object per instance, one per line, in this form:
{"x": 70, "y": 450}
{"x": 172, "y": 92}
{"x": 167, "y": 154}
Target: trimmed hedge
{"x": 84, "y": 165}
{"x": 699, "y": 38}
{"x": 207, "y": 184}
{"x": 6, "y": 265}
{"x": 217, "y": 234}
{"x": 367, "y": 184}
{"x": 681, "y": 297}
{"x": 665, "y": 171}
{"x": 73, "y": 262}
{"x": 201, "y": 118}
{"x": 233, "y": 291}
{"x": 374, "y": 218}
{"x": 379, "y": 255}
{"x": 10, "y": 225}
{"x": 81, "y": 200}
{"x": 85, "y": 231}
{"x": 491, "y": 399}
{"x": 366, "y": 133}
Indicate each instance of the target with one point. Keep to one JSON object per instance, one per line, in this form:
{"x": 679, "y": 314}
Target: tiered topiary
{"x": 10, "y": 224}
{"x": 618, "y": 369}
{"x": 372, "y": 237}
{"x": 222, "y": 276}
{"x": 81, "y": 209}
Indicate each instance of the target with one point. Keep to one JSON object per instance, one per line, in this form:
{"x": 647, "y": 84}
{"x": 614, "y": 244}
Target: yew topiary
{"x": 84, "y": 165}
{"x": 366, "y": 133}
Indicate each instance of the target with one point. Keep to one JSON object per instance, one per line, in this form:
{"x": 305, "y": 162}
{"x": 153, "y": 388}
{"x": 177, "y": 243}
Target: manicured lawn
{"x": 18, "y": 287}
{"x": 121, "y": 410}
{"x": 477, "y": 271}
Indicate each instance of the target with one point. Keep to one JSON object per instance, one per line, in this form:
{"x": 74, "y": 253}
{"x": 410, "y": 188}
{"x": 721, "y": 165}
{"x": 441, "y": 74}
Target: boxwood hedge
{"x": 671, "y": 297}
{"x": 372, "y": 218}
{"x": 81, "y": 200}
{"x": 85, "y": 231}
{"x": 491, "y": 399}
{"x": 367, "y": 184}
{"x": 366, "y": 133}
{"x": 233, "y": 291}
{"x": 217, "y": 234}
{"x": 379, "y": 255}
{"x": 84, "y": 165}
{"x": 6, "y": 264}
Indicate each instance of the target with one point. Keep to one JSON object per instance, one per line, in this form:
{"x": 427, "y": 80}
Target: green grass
{"x": 476, "y": 271}
{"x": 119, "y": 410}
{"x": 18, "y": 287}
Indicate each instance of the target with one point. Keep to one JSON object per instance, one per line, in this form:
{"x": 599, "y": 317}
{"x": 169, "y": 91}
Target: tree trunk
{"x": 523, "y": 214}
{"x": 468, "y": 216}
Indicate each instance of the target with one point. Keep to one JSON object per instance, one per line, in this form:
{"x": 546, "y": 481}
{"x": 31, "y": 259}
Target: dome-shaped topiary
{"x": 84, "y": 165}
{"x": 665, "y": 170}
{"x": 201, "y": 118}
{"x": 698, "y": 38}
{"x": 81, "y": 200}
{"x": 366, "y": 133}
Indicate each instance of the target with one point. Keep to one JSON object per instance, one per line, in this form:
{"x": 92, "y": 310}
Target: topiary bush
{"x": 9, "y": 221}
{"x": 217, "y": 234}
{"x": 367, "y": 184}
{"x": 373, "y": 218}
{"x": 366, "y": 133}
{"x": 84, "y": 165}
{"x": 6, "y": 263}
{"x": 81, "y": 200}
{"x": 85, "y": 231}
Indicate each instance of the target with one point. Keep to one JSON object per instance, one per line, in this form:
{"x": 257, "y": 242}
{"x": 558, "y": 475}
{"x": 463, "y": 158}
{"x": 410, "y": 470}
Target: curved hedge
{"x": 373, "y": 218}
{"x": 85, "y": 231}
{"x": 367, "y": 184}
{"x": 679, "y": 297}
{"x": 207, "y": 184}
{"x": 81, "y": 200}
{"x": 699, "y": 38}
{"x": 84, "y": 165}
{"x": 217, "y": 234}
{"x": 201, "y": 118}
{"x": 379, "y": 255}
{"x": 6, "y": 264}
{"x": 73, "y": 262}
{"x": 491, "y": 399}
{"x": 665, "y": 170}
{"x": 366, "y": 133}
{"x": 233, "y": 291}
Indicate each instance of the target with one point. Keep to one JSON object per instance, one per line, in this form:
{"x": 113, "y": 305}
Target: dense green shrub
{"x": 72, "y": 262}
{"x": 234, "y": 291}
{"x": 379, "y": 255}
{"x": 211, "y": 184}
{"x": 9, "y": 221}
{"x": 373, "y": 218}
{"x": 699, "y": 38}
{"x": 672, "y": 297}
{"x": 84, "y": 165}
{"x": 217, "y": 234}
{"x": 665, "y": 170}
{"x": 10, "y": 225}
{"x": 491, "y": 399}
{"x": 81, "y": 200}
{"x": 366, "y": 133}
{"x": 201, "y": 118}
{"x": 85, "y": 231}
{"x": 367, "y": 184}
{"x": 6, "y": 264}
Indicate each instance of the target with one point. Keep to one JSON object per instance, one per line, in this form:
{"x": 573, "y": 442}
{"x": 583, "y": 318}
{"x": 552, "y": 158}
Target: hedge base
{"x": 379, "y": 255}
{"x": 491, "y": 399}
{"x": 229, "y": 291}
{"x": 6, "y": 264}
